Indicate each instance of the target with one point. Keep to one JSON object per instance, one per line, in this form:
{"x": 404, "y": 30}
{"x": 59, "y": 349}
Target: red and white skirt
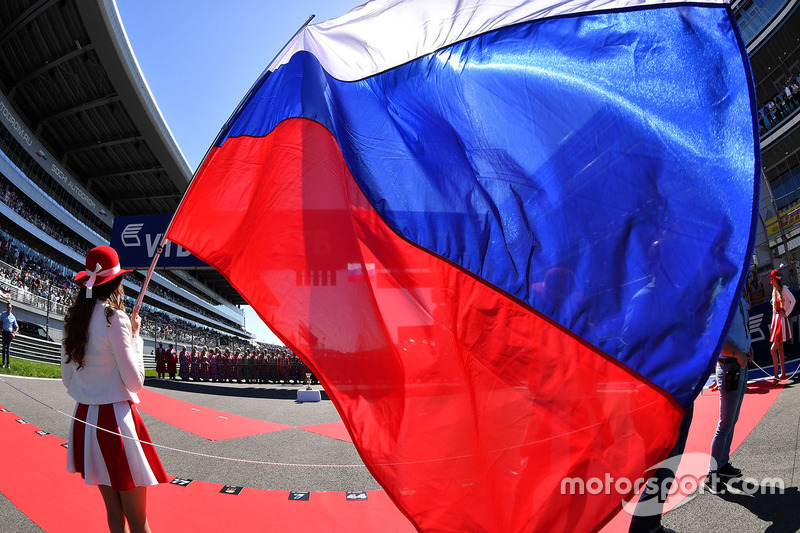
{"x": 780, "y": 329}
{"x": 120, "y": 457}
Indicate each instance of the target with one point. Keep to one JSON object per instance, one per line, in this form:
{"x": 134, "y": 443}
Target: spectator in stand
{"x": 781, "y": 105}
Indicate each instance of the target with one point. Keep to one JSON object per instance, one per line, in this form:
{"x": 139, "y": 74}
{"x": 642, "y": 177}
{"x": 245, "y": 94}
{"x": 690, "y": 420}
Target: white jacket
{"x": 788, "y": 299}
{"x": 113, "y": 368}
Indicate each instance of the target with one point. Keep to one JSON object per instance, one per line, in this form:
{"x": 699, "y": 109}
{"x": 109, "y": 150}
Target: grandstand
{"x": 82, "y": 141}
{"x": 770, "y": 30}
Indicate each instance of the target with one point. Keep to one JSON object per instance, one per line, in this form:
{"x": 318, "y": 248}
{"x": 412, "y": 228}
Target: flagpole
{"x": 163, "y": 240}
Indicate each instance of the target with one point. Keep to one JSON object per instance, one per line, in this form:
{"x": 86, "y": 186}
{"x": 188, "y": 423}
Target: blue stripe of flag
{"x": 547, "y": 158}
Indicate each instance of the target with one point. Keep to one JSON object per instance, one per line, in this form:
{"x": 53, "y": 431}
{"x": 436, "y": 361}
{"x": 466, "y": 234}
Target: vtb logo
{"x": 130, "y": 235}
{"x": 130, "y": 239}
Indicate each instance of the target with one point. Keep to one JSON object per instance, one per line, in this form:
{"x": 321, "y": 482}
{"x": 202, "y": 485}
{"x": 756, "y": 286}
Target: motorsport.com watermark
{"x": 656, "y": 491}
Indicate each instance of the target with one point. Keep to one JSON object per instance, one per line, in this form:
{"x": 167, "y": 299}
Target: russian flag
{"x": 551, "y": 205}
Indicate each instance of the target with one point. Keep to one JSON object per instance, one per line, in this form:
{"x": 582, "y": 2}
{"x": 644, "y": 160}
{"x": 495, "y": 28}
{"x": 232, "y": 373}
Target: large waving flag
{"x": 507, "y": 236}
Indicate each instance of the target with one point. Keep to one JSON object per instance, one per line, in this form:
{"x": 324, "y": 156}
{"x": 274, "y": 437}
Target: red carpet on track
{"x": 218, "y": 425}
{"x": 759, "y": 398}
{"x": 334, "y": 430}
{"x": 37, "y": 483}
{"x": 202, "y": 421}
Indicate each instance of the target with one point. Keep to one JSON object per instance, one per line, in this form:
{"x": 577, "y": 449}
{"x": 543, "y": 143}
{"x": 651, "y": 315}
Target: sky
{"x": 200, "y": 57}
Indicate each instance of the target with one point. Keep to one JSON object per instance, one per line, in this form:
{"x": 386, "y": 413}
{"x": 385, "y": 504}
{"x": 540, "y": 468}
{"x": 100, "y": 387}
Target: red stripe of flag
{"x": 469, "y": 408}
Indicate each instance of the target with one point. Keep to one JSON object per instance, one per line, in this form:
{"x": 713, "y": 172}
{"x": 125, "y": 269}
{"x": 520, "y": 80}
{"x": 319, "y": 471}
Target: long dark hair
{"x": 76, "y": 322}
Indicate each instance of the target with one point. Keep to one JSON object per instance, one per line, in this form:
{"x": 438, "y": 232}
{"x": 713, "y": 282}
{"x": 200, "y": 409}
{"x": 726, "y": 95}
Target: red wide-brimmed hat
{"x": 102, "y": 265}
{"x": 775, "y": 275}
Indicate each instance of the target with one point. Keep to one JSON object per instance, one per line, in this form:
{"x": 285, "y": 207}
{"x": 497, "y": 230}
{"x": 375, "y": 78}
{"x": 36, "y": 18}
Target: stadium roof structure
{"x": 68, "y": 69}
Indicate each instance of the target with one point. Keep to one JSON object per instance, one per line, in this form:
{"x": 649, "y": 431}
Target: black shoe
{"x": 715, "y": 485}
{"x": 729, "y": 471}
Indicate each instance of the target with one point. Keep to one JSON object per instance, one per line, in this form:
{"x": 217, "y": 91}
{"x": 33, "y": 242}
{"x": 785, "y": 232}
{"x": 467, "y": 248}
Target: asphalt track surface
{"x": 769, "y": 452}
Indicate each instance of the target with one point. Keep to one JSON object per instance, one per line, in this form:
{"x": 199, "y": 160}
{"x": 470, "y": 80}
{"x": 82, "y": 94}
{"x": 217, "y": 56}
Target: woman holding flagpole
{"x": 103, "y": 368}
{"x": 780, "y": 331}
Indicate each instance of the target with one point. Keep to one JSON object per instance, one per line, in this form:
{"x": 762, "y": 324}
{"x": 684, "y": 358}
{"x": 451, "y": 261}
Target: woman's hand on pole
{"x": 136, "y": 323}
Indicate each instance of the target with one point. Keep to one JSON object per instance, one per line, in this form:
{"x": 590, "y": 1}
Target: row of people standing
{"x": 781, "y": 105}
{"x": 166, "y": 361}
{"x": 204, "y": 364}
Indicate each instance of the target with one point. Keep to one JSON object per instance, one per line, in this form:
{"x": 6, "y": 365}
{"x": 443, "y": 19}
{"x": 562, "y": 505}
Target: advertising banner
{"x": 789, "y": 218}
{"x": 136, "y": 239}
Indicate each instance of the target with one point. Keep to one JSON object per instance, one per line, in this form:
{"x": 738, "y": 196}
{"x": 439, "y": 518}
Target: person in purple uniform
{"x": 247, "y": 369}
{"x": 184, "y": 360}
{"x": 230, "y": 365}
{"x": 222, "y": 366}
{"x": 213, "y": 373}
{"x": 194, "y": 362}
{"x": 238, "y": 365}
{"x": 204, "y": 364}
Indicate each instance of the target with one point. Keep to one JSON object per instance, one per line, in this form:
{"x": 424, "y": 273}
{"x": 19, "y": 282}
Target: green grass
{"x": 35, "y": 369}
{"x": 23, "y": 367}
